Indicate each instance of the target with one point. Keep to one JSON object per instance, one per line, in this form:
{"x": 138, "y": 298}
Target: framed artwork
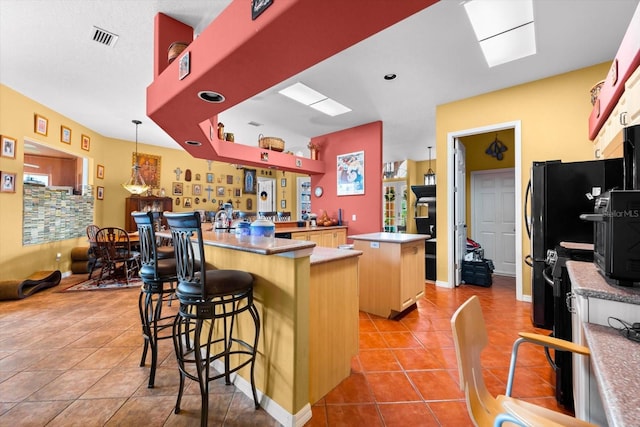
{"x": 196, "y": 190}
{"x": 229, "y": 179}
{"x": 100, "y": 172}
{"x": 209, "y": 177}
{"x": 187, "y": 202}
{"x": 41, "y": 125}
{"x": 259, "y": 6}
{"x": 283, "y": 204}
{"x": 8, "y": 147}
{"x": 149, "y": 168}
{"x": 184, "y": 69}
{"x": 176, "y": 188}
{"x": 100, "y": 193}
{"x": 65, "y": 135}
{"x": 283, "y": 182}
{"x": 8, "y": 181}
{"x": 350, "y": 169}
{"x": 249, "y": 181}
{"x": 237, "y": 192}
{"x": 220, "y": 191}
{"x": 85, "y": 142}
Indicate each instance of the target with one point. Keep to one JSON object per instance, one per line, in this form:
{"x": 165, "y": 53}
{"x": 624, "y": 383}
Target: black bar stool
{"x": 216, "y": 297}
{"x": 156, "y": 272}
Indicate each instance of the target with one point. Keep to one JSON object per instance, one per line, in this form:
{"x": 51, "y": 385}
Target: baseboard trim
{"x": 270, "y": 406}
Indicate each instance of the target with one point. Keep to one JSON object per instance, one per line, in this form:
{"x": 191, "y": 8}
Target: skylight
{"x": 504, "y": 29}
{"x": 314, "y": 99}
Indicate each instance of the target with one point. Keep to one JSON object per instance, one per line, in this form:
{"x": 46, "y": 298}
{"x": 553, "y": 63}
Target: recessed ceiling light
{"x": 193, "y": 143}
{"x": 390, "y": 76}
{"x": 211, "y": 96}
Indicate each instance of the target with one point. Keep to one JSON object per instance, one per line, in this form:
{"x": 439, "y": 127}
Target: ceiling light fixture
{"x": 136, "y": 184}
{"x": 314, "y": 99}
{"x": 193, "y": 143}
{"x": 430, "y": 176}
{"x": 505, "y": 30}
{"x": 390, "y": 76}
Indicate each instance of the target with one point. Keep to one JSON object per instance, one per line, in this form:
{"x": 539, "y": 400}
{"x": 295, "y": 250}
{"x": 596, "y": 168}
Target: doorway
{"x": 454, "y": 199}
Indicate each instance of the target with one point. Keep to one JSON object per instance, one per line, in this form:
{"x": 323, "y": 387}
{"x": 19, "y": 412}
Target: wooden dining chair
{"x": 94, "y": 257}
{"x": 470, "y": 338}
{"x": 119, "y": 261}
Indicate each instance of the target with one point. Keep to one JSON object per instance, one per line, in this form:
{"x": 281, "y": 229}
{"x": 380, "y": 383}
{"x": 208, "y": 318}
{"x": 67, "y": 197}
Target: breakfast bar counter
{"x": 607, "y": 387}
{"x": 307, "y": 298}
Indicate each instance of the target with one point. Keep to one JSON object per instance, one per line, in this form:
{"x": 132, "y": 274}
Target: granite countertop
{"x": 390, "y": 237}
{"x": 257, "y": 245}
{"x": 615, "y": 360}
{"x": 306, "y": 229}
{"x": 588, "y": 282}
{"x": 321, "y": 255}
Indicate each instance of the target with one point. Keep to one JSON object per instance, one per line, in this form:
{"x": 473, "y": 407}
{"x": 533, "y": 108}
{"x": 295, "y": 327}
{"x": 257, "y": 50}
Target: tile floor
{"x": 73, "y": 359}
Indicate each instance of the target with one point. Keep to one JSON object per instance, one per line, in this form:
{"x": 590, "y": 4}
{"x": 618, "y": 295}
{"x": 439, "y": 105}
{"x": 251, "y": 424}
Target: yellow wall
{"x": 553, "y": 113}
{"x": 17, "y": 121}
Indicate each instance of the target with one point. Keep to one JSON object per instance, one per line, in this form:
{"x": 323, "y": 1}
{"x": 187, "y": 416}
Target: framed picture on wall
{"x": 65, "y": 135}
{"x": 196, "y": 190}
{"x": 41, "y": 125}
{"x": 100, "y": 172}
{"x": 149, "y": 168}
{"x": 100, "y": 193}
{"x": 8, "y": 147}
{"x": 8, "y": 181}
{"x": 85, "y": 142}
{"x": 176, "y": 189}
{"x": 350, "y": 169}
{"x": 249, "y": 181}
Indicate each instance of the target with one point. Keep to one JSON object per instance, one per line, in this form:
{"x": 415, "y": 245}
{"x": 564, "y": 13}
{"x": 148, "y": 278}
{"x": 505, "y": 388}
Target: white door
{"x": 494, "y": 218}
{"x": 266, "y": 195}
{"x": 460, "y": 205}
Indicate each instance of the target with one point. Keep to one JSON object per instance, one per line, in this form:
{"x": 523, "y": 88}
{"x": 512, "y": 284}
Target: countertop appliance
{"x": 617, "y": 219}
{"x": 559, "y": 193}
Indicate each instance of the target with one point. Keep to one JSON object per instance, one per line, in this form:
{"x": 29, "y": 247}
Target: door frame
{"x": 474, "y": 176}
{"x": 451, "y": 137}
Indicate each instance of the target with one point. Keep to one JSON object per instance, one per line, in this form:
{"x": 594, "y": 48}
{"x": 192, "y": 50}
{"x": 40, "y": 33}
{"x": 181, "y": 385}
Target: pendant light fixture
{"x": 136, "y": 184}
{"x": 430, "y": 176}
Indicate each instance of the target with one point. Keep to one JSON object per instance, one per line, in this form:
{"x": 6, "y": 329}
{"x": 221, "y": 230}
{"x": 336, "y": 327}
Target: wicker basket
{"x": 271, "y": 143}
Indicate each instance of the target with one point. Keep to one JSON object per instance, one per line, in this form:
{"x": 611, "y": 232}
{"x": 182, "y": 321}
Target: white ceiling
{"x": 47, "y": 54}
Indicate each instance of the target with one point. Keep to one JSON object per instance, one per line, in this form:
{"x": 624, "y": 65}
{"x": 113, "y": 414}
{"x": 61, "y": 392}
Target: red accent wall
{"x": 366, "y": 207}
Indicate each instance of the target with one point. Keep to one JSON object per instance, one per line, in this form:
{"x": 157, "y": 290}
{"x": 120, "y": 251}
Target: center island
{"x": 307, "y": 297}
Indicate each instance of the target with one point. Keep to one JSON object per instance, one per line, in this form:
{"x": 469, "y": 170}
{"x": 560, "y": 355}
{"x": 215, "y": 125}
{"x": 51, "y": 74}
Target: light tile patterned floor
{"x": 73, "y": 359}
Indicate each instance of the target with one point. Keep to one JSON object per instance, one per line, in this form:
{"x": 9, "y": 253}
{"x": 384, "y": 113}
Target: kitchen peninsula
{"x": 307, "y": 297}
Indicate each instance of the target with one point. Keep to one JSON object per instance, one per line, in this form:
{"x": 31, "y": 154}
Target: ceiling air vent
{"x": 104, "y": 37}
{"x": 256, "y": 124}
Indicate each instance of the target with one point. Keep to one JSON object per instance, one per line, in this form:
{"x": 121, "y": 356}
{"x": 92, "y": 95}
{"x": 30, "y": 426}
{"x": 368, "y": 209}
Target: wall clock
{"x": 318, "y": 191}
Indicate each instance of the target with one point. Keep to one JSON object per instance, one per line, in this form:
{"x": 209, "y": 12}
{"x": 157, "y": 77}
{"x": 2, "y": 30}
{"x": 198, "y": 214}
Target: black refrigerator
{"x": 559, "y": 193}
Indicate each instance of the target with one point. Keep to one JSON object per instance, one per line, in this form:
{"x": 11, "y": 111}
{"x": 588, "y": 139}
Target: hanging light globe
{"x": 135, "y": 184}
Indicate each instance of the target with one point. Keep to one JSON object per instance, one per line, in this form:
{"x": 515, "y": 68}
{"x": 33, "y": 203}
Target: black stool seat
{"x": 163, "y": 268}
{"x": 204, "y": 331}
{"x": 165, "y": 252}
{"x": 217, "y": 283}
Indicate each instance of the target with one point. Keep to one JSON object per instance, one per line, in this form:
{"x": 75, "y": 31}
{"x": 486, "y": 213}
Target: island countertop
{"x": 254, "y": 244}
{"x": 390, "y": 237}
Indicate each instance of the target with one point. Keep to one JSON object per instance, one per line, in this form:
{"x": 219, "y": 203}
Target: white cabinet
{"x": 303, "y": 185}
{"x": 608, "y": 143}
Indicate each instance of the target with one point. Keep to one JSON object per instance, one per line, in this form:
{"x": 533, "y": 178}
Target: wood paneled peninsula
{"x": 392, "y": 271}
{"x": 307, "y": 297}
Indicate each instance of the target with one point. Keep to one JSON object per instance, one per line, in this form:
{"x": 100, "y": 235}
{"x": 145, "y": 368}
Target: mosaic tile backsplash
{"x": 51, "y": 215}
